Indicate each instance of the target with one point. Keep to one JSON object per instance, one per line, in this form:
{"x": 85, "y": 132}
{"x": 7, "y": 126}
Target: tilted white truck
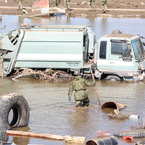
{"x": 72, "y": 48}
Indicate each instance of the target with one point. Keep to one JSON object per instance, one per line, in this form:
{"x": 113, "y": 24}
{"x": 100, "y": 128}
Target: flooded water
{"x": 50, "y": 110}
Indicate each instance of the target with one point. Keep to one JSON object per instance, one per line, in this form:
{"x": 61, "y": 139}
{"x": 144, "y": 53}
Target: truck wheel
{"x": 3, "y": 134}
{"x": 14, "y": 110}
{"x": 113, "y": 78}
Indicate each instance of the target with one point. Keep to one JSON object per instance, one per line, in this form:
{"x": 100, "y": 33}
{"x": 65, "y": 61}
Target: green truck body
{"x": 46, "y": 46}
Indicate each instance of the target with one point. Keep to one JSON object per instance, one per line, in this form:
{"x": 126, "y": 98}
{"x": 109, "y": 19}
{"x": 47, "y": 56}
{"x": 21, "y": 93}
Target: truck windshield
{"x": 138, "y": 49}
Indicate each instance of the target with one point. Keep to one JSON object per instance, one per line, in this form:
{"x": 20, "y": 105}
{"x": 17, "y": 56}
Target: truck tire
{"x": 14, "y": 110}
{"x": 103, "y": 141}
{"x": 3, "y": 134}
{"x": 113, "y": 78}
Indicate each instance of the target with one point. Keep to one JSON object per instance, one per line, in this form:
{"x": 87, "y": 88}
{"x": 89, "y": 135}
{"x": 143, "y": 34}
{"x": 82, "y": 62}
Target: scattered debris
{"x": 45, "y": 12}
{"x": 140, "y": 143}
{"x": 40, "y": 4}
{"x": 128, "y": 138}
{"x": 114, "y": 105}
{"x": 140, "y": 126}
{"x": 118, "y": 115}
{"x": 48, "y": 74}
{"x": 102, "y": 133}
{"x": 24, "y": 11}
{"x": 35, "y": 135}
{"x": 133, "y": 116}
{"x": 25, "y": 24}
{"x": 74, "y": 139}
{"x": 143, "y": 4}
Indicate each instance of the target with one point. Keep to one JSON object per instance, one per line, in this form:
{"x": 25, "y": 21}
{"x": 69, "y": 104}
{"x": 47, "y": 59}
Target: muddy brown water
{"x": 50, "y": 110}
{"x": 52, "y": 113}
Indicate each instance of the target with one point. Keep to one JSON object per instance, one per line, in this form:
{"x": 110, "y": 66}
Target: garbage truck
{"x": 73, "y": 48}
{"x": 63, "y": 47}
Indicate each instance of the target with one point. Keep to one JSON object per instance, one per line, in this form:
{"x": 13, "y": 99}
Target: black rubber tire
{"x": 103, "y": 141}
{"x": 3, "y": 134}
{"x": 113, "y": 78}
{"x": 19, "y": 107}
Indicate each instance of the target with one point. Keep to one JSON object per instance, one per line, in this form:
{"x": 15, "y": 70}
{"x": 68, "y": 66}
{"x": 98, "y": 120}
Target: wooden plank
{"x": 34, "y": 135}
{"x": 66, "y": 138}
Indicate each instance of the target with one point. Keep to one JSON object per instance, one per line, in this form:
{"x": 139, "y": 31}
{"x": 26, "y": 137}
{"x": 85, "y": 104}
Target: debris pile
{"x": 48, "y": 74}
{"x": 118, "y": 115}
{"x": 139, "y": 126}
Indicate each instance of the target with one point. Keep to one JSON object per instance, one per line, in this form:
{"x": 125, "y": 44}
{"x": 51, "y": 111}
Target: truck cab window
{"x": 118, "y": 48}
{"x": 103, "y": 45}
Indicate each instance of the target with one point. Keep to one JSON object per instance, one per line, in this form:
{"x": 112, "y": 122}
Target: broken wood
{"x": 66, "y": 138}
{"x": 48, "y": 74}
{"x": 34, "y": 135}
{"x": 74, "y": 139}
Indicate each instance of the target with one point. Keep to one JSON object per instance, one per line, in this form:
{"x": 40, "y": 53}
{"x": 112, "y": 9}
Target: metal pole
{"x": 1, "y": 67}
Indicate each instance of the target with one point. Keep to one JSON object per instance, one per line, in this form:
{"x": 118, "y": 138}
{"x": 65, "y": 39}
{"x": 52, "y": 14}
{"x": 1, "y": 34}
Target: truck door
{"x": 120, "y": 58}
{"x": 102, "y": 60}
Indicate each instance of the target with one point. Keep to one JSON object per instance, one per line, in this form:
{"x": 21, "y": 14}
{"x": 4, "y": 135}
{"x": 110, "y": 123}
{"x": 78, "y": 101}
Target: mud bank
{"x": 117, "y": 8}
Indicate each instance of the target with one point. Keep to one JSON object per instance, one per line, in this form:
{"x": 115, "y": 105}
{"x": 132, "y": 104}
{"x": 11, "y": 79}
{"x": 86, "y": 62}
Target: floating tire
{"x": 3, "y": 134}
{"x": 14, "y": 110}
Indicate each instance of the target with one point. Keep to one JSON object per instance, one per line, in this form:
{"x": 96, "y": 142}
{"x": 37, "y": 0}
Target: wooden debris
{"x": 48, "y": 74}
{"x": 139, "y": 126}
{"x": 102, "y": 133}
{"x": 34, "y": 135}
{"x": 66, "y": 138}
{"x": 74, "y": 139}
{"x": 118, "y": 115}
{"x": 25, "y": 24}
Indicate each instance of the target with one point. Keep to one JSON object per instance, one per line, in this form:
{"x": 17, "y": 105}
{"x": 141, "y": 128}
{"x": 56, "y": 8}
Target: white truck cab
{"x": 119, "y": 56}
